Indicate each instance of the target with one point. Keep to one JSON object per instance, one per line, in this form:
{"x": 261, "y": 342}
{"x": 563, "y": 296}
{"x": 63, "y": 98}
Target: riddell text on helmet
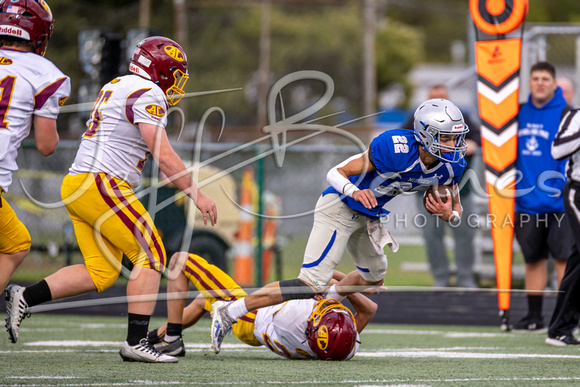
{"x": 14, "y": 31}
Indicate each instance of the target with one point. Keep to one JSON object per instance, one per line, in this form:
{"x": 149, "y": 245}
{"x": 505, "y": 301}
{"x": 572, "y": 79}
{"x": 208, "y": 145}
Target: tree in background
{"x": 223, "y": 49}
{"x": 223, "y": 45}
{"x": 398, "y": 48}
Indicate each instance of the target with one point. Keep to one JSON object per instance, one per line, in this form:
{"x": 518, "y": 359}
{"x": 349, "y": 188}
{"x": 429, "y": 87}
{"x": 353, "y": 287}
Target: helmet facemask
{"x": 175, "y": 92}
{"x": 446, "y": 153}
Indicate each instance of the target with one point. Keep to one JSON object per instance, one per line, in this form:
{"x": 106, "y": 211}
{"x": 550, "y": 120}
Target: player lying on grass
{"x": 348, "y": 214}
{"x": 298, "y": 329}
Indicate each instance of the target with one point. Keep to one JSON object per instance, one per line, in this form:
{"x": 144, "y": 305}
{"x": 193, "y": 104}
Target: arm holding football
{"x": 439, "y": 205}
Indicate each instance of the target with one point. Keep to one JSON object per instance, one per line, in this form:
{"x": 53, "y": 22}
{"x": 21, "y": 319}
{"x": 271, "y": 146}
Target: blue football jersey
{"x": 395, "y": 155}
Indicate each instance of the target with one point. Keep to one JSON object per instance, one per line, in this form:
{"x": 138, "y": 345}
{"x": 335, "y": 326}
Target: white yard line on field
{"x": 93, "y": 343}
{"x": 442, "y": 352}
{"x": 26, "y": 351}
{"x": 360, "y": 383}
{"x": 462, "y": 355}
{"x": 43, "y": 377}
{"x": 72, "y": 343}
{"x": 442, "y": 333}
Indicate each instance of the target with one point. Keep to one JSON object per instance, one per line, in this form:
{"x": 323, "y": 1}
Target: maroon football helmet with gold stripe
{"x": 27, "y": 20}
{"x": 331, "y": 330}
{"x": 162, "y": 61}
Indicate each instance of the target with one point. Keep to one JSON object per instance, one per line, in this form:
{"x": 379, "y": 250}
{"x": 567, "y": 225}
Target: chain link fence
{"x": 301, "y": 178}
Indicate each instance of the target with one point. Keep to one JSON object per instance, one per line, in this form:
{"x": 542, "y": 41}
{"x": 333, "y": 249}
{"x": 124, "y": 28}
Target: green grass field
{"x": 83, "y": 351}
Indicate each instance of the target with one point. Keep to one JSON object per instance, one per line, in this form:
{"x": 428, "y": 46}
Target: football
{"x": 444, "y": 192}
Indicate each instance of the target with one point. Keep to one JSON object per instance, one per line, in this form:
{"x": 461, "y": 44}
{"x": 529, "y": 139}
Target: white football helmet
{"x": 437, "y": 117}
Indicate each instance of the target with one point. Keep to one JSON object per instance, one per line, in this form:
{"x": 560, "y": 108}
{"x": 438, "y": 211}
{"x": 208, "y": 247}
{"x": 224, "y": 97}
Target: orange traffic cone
{"x": 243, "y": 250}
{"x": 269, "y": 236}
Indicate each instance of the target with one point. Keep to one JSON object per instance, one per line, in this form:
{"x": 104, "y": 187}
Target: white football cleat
{"x": 221, "y": 323}
{"x": 15, "y": 310}
{"x": 144, "y": 352}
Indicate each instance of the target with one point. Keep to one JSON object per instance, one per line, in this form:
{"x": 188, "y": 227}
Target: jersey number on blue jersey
{"x": 400, "y": 144}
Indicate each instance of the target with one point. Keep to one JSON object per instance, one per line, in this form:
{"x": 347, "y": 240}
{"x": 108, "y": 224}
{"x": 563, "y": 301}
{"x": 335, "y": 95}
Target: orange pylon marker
{"x": 243, "y": 250}
{"x": 268, "y": 243}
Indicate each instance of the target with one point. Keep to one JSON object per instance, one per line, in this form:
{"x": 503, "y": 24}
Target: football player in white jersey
{"x": 32, "y": 89}
{"x": 297, "y": 329}
{"x": 126, "y": 124}
{"x": 348, "y": 214}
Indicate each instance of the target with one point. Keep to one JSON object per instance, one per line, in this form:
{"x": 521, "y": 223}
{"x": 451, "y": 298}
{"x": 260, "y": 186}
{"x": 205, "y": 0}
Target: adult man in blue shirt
{"x": 348, "y": 214}
{"x": 541, "y": 226}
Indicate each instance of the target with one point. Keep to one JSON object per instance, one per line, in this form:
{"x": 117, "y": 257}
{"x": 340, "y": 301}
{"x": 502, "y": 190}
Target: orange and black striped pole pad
{"x": 498, "y": 66}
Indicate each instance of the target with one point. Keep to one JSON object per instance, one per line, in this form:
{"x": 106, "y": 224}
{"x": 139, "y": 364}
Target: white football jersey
{"x": 113, "y": 143}
{"x": 282, "y": 329}
{"x": 29, "y": 85}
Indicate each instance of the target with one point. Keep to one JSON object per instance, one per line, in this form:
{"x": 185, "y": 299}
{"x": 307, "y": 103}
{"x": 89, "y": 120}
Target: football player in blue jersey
{"x": 348, "y": 214}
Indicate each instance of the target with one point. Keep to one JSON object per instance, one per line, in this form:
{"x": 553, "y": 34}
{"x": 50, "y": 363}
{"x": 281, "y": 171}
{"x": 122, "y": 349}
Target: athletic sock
{"x": 237, "y": 309}
{"x": 37, "y": 294}
{"x": 137, "y": 329}
{"x": 535, "y": 306}
{"x": 173, "y": 332}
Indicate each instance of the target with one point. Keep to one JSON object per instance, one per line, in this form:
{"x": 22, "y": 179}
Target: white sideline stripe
{"x": 393, "y": 385}
{"x": 42, "y": 377}
{"x": 91, "y": 326}
{"x": 475, "y": 334}
{"x": 207, "y": 349}
{"x": 102, "y": 325}
{"x": 498, "y": 97}
{"x": 442, "y": 333}
{"x": 442, "y": 349}
{"x": 224, "y": 345}
{"x": 92, "y": 343}
{"x": 15, "y": 352}
{"x": 516, "y": 379}
{"x": 43, "y": 329}
{"x": 448, "y": 353}
{"x": 73, "y": 343}
{"x": 463, "y": 355}
{"x": 366, "y": 382}
{"x": 77, "y": 325}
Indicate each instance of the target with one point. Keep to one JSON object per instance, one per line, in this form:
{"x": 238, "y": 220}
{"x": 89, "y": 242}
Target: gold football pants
{"x": 215, "y": 285}
{"x": 14, "y": 236}
{"x": 110, "y": 221}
